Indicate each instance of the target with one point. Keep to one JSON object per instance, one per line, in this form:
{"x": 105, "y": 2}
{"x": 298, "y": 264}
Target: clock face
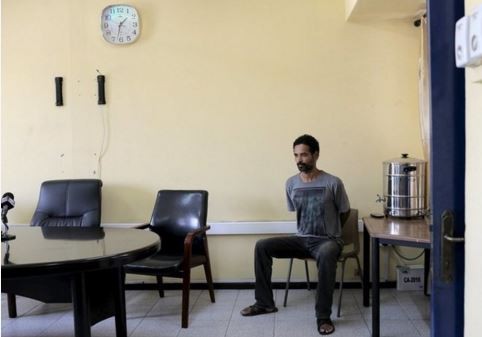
{"x": 120, "y": 24}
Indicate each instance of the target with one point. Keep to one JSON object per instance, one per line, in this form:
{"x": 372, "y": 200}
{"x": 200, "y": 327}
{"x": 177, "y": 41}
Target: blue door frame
{"x": 447, "y": 85}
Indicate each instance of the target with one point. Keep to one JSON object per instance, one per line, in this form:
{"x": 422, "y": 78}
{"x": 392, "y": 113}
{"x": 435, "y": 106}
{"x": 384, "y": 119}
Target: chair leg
{"x": 12, "y": 305}
{"x": 360, "y": 272}
{"x": 307, "y": 276}
{"x": 207, "y": 270}
{"x": 341, "y": 287}
{"x": 186, "y": 281}
{"x": 209, "y": 280}
{"x": 288, "y": 282}
{"x": 160, "y": 285}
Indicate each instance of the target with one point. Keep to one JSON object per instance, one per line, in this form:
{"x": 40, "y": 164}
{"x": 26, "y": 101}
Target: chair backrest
{"x": 350, "y": 233}
{"x": 177, "y": 212}
{"x": 73, "y": 202}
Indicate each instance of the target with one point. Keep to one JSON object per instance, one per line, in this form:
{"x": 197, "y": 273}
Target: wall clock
{"x": 120, "y": 24}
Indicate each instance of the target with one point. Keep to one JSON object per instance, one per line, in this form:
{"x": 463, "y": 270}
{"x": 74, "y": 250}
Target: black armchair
{"x": 69, "y": 203}
{"x": 179, "y": 218}
{"x": 74, "y": 202}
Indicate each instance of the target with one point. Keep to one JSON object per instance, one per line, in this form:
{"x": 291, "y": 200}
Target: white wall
{"x": 473, "y": 199}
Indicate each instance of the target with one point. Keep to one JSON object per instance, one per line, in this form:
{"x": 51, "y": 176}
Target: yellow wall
{"x": 473, "y": 200}
{"x": 211, "y": 96}
{"x": 349, "y": 6}
{"x": 360, "y": 10}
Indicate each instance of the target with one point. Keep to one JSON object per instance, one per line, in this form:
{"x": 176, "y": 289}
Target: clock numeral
{"x": 120, "y": 10}
{"x": 128, "y": 38}
{"x": 121, "y": 39}
{"x": 107, "y": 18}
{"x": 108, "y": 32}
{"x": 106, "y": 25}
{"x": 113, "y": 38}
{"x": 134, "y": 32}
{"x": 134, "y": 24}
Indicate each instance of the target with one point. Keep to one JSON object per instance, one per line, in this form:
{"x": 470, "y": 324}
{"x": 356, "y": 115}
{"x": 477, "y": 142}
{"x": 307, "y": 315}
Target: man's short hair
{"x": 308, "y": 140}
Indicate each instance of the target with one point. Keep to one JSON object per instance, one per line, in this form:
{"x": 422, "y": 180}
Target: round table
{"x": 75, "y": 264}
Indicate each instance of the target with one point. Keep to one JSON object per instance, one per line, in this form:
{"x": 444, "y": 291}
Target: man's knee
{"x": 269, "y": 246}
{"x": 328, "y": 252}
{"x": 262, "y": 245}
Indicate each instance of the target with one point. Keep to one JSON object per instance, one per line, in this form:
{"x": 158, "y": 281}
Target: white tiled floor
{"x": 404, "y": 314}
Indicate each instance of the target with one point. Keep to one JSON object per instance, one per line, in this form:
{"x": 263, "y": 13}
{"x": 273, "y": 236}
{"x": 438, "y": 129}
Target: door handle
{"x": 453, "y": 239}
{"x": 447, "y": 246}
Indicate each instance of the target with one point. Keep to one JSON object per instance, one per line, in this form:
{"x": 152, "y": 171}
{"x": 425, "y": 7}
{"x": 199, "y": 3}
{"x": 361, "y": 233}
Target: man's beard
{"x": 304, "y": 167}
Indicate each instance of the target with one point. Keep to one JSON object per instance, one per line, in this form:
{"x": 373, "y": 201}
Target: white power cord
{"x": 104, "y": 145}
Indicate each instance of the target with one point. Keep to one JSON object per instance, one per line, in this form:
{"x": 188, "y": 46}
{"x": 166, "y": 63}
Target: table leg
{"x": 81, "y": 306}
{"x": 12, "y": 305}
{"x": 375, "y": 287}
{"x": 366, "y": 267}
{"x": 120, "y": 304}
{"x": 426, "y": 269}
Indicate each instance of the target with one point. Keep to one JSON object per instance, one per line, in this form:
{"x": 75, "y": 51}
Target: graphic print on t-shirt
{"x": 309, "y": 204}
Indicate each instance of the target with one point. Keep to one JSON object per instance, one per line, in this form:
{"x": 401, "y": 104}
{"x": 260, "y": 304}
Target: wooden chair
{"x": 179, "y": 218}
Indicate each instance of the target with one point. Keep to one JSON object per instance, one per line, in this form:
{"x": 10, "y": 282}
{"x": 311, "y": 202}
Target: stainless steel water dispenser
{"x": 404, "y": 187}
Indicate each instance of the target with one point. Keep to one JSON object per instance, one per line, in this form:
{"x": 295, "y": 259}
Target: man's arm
{"x": 344, "y": 217}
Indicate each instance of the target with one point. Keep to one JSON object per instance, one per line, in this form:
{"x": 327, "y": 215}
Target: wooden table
{"x": 392, "y": 231}
{"x": 80, "y": 265}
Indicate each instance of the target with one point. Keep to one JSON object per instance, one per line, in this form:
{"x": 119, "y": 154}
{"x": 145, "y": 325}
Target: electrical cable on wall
{"x": 104, "y": 145}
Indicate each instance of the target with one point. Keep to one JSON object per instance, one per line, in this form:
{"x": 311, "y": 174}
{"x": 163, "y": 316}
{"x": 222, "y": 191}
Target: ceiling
{"x": 384, "y": 9}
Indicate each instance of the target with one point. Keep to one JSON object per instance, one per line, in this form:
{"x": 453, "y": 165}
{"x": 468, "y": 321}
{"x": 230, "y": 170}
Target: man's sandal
{"x": 254, "y": 310}
{"x": 325, "y": 326}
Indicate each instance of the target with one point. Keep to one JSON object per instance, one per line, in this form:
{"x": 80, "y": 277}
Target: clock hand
{"x": 120, "y": 25}
{"x": 122, "y": 22}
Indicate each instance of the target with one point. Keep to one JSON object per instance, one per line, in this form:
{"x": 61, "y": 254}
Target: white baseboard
{"x": 235, "y": 227}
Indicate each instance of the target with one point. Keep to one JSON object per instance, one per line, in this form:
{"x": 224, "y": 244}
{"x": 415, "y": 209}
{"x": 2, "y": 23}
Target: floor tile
{"x": 250, "y": 328}
{"x": 351, "y": 328}
{"x": 397, "y": 328}
{"x": 404, "y": 314}
{"x": 157, "y": 327}
{"x": 211, "y": 311}
{"x": 207, "y": 328}
{"x": 423, "y": 327}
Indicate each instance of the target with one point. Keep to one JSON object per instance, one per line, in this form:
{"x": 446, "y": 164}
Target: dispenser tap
{"x": 380, "y": 198}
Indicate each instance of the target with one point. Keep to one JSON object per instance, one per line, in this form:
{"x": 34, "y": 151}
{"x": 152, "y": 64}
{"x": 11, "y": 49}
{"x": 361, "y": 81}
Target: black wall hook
{"x": 59, "y": 100}
{"x": 101, "y": 89}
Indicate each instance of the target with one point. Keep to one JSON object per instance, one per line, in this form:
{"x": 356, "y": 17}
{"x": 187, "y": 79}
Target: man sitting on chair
{"x": 321, "y": 206}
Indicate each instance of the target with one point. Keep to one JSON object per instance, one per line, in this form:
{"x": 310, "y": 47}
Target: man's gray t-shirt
{"x": 318, "y": 204}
